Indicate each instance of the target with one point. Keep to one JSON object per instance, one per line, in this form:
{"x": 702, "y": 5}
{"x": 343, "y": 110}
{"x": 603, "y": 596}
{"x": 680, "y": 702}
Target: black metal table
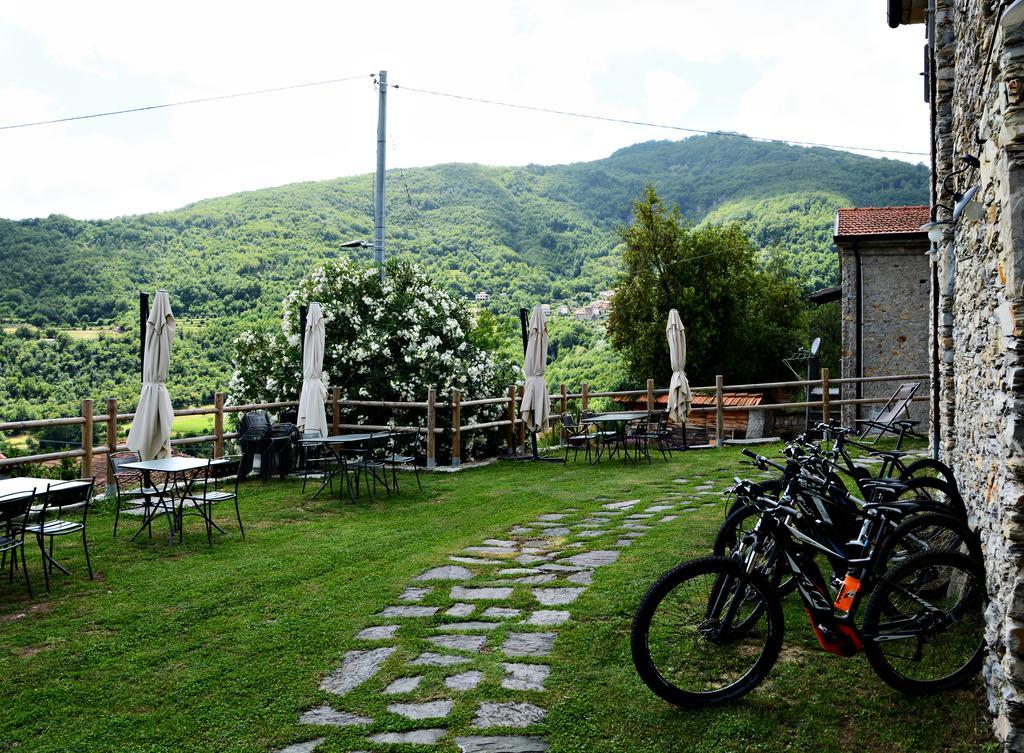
{"x": 619, "y": 419}
{"x": 335, "y": 443}
{"x": 174, "y": 468}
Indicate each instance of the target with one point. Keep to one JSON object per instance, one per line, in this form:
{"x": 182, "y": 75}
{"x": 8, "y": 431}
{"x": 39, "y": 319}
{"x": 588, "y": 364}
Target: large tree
{"x": 742, "y": 314}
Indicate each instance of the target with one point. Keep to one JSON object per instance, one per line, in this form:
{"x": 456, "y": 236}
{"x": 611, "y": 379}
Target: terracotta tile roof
{"x": 729, "y": 398}
{"x": 880, "y": 220}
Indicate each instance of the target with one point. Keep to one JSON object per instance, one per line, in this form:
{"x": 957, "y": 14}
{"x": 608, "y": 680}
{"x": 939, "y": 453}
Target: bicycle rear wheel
{"x": 924, "y": 625}
{"x": 684, "y": 642}
{"x": 926, "y": 532}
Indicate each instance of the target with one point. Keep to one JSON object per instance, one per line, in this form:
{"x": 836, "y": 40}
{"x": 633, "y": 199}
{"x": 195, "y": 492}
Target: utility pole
{"x": 378, "y": 198}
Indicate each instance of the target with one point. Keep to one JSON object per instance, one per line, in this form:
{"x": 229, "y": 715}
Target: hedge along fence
{"x": 452, "y": 417}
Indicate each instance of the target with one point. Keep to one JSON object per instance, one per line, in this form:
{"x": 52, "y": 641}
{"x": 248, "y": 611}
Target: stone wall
{"x": 895, "y": 285}
{"x": 979, "y": 112}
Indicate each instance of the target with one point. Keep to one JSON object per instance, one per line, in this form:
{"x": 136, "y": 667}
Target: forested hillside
{"x": 524, "y": 234}
{"x": 535, "y": 232}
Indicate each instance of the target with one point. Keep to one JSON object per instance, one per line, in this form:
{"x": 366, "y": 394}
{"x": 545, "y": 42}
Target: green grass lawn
{"x": 187, "y": 648}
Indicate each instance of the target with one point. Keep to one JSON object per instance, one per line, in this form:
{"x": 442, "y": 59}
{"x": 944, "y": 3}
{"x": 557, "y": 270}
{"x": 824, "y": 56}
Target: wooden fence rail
{"x": 515, "y": 429}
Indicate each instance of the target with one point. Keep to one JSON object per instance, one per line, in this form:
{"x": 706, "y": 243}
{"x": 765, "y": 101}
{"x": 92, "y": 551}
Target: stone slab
{"x": 623, "y": 542}
{"x": 584, "y": 578}
{"x": 521, "y": 531}
{"x": 552, "y": 533}
{"x": 464, "y": 680}
{"x": 415, "y": 594}
{"x": 414, "y": 737}
{"x": 403, "y": 685}
{"x": 636, "y": 526}
{"x": 500, "y": 542}
{"x": 596, "y": 558}
{"x": 509, "y": 714}
{"x": 552, "y": 516}
{"x": 475, "y": 560}
{"x": 547, "y": 617}
{"x": 446, "y": 572}
{"x": 501, "y": 613}
{"x": 519, "y": 571}
{"x": 430, "y": 659}
{"x": 407, "y": 611}
{"x": 333, "y": 718}
{"x": 502, "y": 744}
{"x": 529, "y": 559}
{"x": 621, "y": 505}
{"x": 356, "y": 668}
{"x": 426, "y": 710}
{"x": 459, "y": 642}
{"x": 473, "y": 625}
{"x": 525, "y": 676}
{"x": 659, "y": 508}
{"x": 480, "y": 594}
{"x": 493, "y": 551}
{"x": 377, "y": 633}
{"x": 535, "y": 580}
{"x": 557, "y": 596}
{"x": 668, "y": 518}
{"x": 460, "y": 610}
{"x": 591, "y": 534}
{"x": 528, "y": 644}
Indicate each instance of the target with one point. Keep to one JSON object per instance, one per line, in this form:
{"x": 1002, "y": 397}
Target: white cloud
{"x": 818, "y": 71}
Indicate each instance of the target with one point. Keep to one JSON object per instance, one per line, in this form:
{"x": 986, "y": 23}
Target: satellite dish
{"x": 815, "y": 346}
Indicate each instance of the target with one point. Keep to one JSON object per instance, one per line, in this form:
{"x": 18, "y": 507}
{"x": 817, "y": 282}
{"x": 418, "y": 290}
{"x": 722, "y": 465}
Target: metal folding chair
{"x": 888, "y": 420}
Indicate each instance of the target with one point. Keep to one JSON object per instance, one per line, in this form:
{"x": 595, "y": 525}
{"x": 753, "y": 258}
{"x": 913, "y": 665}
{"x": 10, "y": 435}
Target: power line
{"x": 625, "y": 121}
{"x": 185, "y": 102}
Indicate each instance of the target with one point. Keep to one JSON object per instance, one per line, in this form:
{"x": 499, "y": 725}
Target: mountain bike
{"x": 710, "y": 630}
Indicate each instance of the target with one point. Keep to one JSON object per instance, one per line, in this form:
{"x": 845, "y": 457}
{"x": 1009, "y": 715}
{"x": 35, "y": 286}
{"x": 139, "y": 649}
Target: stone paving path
{"x": 490, "y": 614}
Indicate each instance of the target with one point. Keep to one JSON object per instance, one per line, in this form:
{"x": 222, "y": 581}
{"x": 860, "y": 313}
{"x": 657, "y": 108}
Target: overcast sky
{"x": 810, "y": 70}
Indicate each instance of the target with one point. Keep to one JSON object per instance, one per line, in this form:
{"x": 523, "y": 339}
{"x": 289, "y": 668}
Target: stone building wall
{"x": 895, "y": 285}
{"x": 981, "y": 271}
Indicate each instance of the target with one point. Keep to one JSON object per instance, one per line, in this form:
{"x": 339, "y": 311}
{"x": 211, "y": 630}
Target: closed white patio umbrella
{"x": 679, "y": 390}
{"x": 536, "y": 406}
{"x": 312, "y": 413}
{"x": 150, "y": 435}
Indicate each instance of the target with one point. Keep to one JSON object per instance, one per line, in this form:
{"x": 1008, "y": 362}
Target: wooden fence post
{"x": 650, "y": 395}
{"x": 87, "y": 438}
{"x": 511, "y": 415}
{"x": 522, "y": 424}
{"x": 111, "y": 442}
{"x": 563, "y": 409}
{"x": 719, "y": 412}
{"x": 336, "y": 410}
{"x": 825, "y": 396}
{"x": 584, "y": 397}
{"x": 218, "y": 425}
{"x": 431, "y": 425}
{"x": 456, "y": 428}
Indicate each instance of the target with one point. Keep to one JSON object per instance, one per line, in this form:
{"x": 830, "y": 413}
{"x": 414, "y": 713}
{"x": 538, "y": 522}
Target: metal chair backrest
{"x": 64, "y": 495}
{"x": 15, "y": 507}
{"x": 117, "y": 462}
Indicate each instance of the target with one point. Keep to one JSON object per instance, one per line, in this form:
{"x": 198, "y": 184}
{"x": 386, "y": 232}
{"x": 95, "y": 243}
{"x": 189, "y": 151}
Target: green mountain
{"x": 534, "y": 232}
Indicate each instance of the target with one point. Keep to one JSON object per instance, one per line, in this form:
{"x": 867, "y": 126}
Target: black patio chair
{"x": 604, "y": 439}
{"x": 315, "y": 458}
{"x": 405, "y": 447}
{"x": 14, "y": 512}
{"x": 129, "y": 489}
{"x": 371, "y": 464}
{"x": 220, "y": 470}
{"x": 888, "y": 419}
{"x": 577, "y": 435}
{"x": 69, "y": 502}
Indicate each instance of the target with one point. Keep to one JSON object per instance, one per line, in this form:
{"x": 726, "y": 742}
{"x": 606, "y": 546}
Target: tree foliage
{"x": 741, "y": 318}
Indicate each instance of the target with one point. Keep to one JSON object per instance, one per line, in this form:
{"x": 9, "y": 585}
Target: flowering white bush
{"x": 387, "y": 340}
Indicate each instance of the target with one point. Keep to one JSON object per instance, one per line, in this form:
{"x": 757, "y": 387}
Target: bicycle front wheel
{"x": 685, "y": 642}
{"x": 925, "y": 623}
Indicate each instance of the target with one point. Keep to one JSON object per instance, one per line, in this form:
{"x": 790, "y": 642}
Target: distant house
{"x": 885, "y": 293}
{"x": 483, "y": 295}
{"x": 606, "y": 295}
{"x": 563, "y": 310}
